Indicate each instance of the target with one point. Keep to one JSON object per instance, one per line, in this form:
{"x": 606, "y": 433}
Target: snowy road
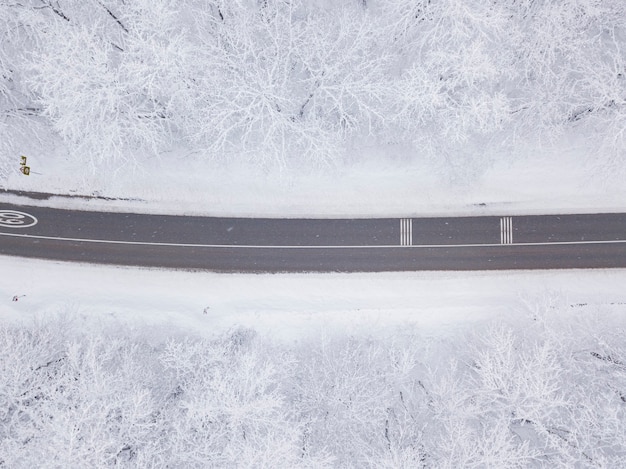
{"x": 290, "y": 245}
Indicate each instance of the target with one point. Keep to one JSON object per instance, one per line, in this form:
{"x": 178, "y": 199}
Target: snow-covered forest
{"x": 277, "y": 84}
{"x": 542, "y": 395}
{"x": 289, "y": 82}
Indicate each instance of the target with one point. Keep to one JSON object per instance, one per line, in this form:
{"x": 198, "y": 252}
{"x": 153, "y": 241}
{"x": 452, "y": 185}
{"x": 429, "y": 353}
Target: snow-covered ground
{"x": 556, "y": 179}
{"x": 293, "y": 307}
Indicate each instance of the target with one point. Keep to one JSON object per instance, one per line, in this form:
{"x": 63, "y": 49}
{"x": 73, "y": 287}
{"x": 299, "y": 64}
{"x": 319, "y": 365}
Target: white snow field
{"x": 561, "y": 180}
{"x": 295, "y": 306}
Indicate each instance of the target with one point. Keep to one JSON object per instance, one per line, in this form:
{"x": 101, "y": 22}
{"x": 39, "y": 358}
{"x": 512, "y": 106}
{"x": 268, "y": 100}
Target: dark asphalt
{"x": 295, "y": 245}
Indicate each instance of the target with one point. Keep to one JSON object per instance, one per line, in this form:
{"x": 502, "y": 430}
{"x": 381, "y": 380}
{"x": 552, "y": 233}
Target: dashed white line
{"x": 249, "y": 246}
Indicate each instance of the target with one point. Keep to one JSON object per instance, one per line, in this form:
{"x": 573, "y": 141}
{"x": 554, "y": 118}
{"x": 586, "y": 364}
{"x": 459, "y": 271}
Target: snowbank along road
{"x": 295, "y": 245}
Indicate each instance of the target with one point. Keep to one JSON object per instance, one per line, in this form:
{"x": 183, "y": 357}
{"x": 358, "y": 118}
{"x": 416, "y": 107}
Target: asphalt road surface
{"x": 323, "y": 245}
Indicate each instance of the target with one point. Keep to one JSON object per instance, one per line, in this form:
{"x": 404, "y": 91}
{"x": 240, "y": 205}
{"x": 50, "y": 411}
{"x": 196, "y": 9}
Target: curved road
{"x": 296, "y": 245}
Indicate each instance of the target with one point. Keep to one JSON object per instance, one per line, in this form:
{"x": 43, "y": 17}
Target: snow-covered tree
{"x": 281, "y": 82}
{"x": 533, "y": 393}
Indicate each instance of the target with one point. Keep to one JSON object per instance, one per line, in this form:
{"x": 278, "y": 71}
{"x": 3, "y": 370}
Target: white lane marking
{"x": 506, "y": 230}
{"x": 406, "y": 231}
{"x": 250, "y": 246}
{"x": 15, "y": 219}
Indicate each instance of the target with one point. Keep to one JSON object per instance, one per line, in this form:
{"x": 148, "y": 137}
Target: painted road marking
{"x": 506, "y": 230}
{"x": 406, "y": 231}
{"x": 15, "y": 219}
{"x": 249, "y": 246}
